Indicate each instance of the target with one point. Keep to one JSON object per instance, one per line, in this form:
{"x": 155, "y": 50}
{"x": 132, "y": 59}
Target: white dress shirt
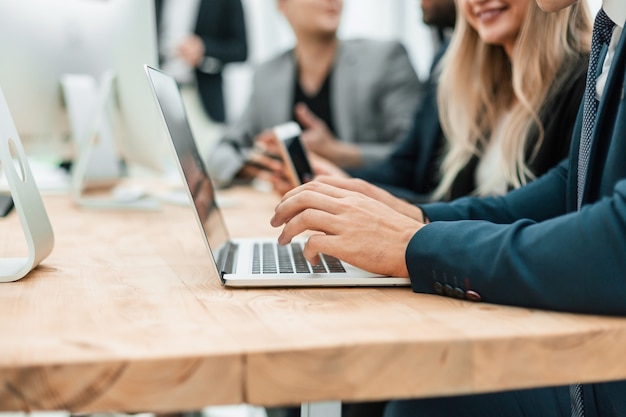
{"x": 616, "y": 11}
{"x": 490, "y": 174}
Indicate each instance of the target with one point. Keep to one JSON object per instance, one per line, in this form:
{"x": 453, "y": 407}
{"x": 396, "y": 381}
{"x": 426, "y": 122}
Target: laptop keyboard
{"x": 271, "y": 258}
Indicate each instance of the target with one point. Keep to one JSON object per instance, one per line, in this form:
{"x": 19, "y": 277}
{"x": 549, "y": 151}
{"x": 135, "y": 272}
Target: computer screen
{"x": 44, "y": 40}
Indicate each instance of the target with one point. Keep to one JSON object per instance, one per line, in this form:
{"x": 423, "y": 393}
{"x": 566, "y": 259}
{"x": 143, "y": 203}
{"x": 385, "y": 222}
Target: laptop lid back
{"x": 200, "y": 188}
{"x": 198, "y": 183}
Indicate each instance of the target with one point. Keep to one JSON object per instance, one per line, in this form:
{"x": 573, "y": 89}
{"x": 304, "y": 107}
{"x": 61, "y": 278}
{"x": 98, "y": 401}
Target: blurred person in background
{"x": 364, "y": 93}
{"x": 197, "y": 38}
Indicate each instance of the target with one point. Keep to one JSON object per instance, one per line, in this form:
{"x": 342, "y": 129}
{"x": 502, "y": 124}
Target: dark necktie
{"x": 602, "y": 32}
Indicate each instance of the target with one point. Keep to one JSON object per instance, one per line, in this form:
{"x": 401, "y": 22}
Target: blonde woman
{"x": 508, "y": 97}
{"x": 507, "y": 90}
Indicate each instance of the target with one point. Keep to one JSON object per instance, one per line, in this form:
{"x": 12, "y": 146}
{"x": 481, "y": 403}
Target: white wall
{"x": 391, "y": 19}
{"x": 595, "y": 5}
{"x": 269, "y": 34}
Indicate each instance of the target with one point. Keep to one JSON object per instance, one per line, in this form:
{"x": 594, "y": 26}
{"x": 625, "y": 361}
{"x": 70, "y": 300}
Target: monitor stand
{"x": 27, "y": 200}
{"x": 96, "y": 165}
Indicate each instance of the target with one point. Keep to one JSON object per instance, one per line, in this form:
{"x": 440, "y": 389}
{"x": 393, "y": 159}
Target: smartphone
{"x": 298, "y": 169}
{"x": 6, "y": 204}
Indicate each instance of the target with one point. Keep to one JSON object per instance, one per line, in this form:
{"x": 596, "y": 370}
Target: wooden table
{"x": 128, "y": 314}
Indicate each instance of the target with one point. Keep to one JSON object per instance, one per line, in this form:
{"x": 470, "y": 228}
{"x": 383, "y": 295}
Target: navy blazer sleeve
{"x": 540, "y": 200}
{"x": 532, "y": 264}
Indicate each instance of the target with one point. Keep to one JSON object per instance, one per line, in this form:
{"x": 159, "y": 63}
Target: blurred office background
{"x": 269, "y": 34}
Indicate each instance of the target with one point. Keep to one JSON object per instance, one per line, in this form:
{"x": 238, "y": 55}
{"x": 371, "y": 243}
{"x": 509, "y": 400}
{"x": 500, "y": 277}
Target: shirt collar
{"x": 616, "y": 10}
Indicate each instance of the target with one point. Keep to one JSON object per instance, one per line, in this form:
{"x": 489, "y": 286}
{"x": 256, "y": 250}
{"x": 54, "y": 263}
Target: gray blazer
{"x": 374, "y": 91}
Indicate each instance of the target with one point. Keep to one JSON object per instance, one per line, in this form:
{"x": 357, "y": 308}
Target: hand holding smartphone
{"x": 297, "y": 167}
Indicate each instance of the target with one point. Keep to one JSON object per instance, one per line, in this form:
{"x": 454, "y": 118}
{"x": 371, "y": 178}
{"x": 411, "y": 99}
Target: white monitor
{"x": 44, "y": 41}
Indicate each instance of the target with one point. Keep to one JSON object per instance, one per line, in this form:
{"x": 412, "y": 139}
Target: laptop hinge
{"x": 226, "y": 258}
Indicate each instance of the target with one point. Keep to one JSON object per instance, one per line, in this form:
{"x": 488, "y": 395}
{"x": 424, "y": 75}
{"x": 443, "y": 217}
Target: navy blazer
{"x": 222, "y": 28}
{"x": 533, "y": 248}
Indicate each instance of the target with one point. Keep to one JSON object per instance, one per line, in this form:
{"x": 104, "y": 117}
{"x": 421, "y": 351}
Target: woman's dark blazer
{"x": 412, "y": 170}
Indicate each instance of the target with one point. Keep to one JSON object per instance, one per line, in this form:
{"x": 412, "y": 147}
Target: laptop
{"x": 247, "y": 262}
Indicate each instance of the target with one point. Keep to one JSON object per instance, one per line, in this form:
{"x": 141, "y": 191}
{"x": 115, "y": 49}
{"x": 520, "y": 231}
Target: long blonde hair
{"x": 479, "y": 85}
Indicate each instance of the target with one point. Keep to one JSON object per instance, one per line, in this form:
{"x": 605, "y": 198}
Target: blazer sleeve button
{"x": 459, "y": 293}
{"x": 472, "y": 296}
{"x": 438, "y": 287}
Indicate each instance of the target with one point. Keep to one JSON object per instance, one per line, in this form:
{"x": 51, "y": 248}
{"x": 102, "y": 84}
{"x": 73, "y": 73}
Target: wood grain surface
{"x": 128, "y": 314}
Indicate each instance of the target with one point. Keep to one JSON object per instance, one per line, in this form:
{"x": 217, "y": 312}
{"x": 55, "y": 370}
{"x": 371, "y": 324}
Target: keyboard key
{"x": 284, "y": 260}
{"x": 334, "y": 264}
{"x": 269, "y": 259}
{"x": 302, "y": 266}
{"x": 319, "y": 268}
{"x": 256, "y": 259}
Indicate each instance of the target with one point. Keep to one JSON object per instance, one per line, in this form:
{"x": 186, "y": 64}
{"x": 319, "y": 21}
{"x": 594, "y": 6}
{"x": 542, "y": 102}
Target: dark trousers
{"x": 543, "y": 402}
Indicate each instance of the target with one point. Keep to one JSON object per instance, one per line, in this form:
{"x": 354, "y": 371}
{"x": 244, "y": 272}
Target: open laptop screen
{"x": 198, "y": 182}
